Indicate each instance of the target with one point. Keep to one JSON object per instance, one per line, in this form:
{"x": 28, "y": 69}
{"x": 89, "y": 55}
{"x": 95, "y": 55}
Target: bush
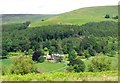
{"x": 99, "y": 63}
{"x": 59, "y": 59}
{"x": 70, "y": 69}
{"x": 79, "y": 66}
{"x": 86, "y": 54}
{"x": 23, "y": 65}
{"x": 41, "y": 59}
{"x": 4, "y": 54}
{"x": 92, "y": 52}
{"x": 116, "y": 17}
{"x": 5, "y": 70}
{"x": 30, "y": 52}
{"x": 107, "y": 16}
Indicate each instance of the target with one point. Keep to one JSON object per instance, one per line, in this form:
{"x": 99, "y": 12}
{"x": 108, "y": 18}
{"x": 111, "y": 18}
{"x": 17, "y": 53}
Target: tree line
{"x": 95, "y": 37}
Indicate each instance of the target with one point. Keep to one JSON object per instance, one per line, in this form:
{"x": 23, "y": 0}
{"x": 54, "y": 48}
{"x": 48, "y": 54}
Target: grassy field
{"x": 47, "y": 67}
{"x": 20, "y": 18}
{"x": 6, "y": 62}
{"x": 81, "y": 16}
{"x": 61, "y": 76}
{"x": 59, "y": 67}
{"x": 42, "y": 67}
{"x": 51, "y": 67}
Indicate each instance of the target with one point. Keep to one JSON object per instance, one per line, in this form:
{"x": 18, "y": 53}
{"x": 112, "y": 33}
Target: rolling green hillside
{"x": 81, "y": 16}
{"x": 18, "y": 18}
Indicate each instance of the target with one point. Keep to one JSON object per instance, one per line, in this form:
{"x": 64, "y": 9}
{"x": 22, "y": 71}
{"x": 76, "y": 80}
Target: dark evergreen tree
{"x": 36, "y": 55}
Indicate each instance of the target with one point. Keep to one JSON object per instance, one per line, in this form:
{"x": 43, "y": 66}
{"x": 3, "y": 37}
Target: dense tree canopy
{"x": 93, "y": 36}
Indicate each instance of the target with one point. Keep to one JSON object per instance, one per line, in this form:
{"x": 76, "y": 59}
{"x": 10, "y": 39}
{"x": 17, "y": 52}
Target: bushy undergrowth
{"x": 99, "y": 63}
{"x": 21, "y": 65}
{"x": 62, "y": 76}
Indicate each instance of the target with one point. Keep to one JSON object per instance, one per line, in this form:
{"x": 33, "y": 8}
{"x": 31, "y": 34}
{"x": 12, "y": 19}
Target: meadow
{"x": 80, "y": 16}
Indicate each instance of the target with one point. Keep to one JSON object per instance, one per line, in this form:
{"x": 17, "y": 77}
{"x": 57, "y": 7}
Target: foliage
{"x": 36, "y": 56}
{"x": 100, "y": 63}
{"x": 30, "y": 52}
{"x": 62, "y": 76}
{"x": 5, "y": 70}
{"x": 70, "y": 69}
{"x": 86, "y": 54}
{"x": 59, "y": 59}
{"x": 91, "y": 36}
{"x": 79, "y": 66}
{"x": 41, "y": 59}
{"x": 92, "y": 52}
{"x": 23, "y": 65}
{"x": 116, "y": 17}
{"x": 72, "y": 57}
{"x": 75, "y": 64}
{"x": 107, "y": 16}
{"x": 46, "y": 51}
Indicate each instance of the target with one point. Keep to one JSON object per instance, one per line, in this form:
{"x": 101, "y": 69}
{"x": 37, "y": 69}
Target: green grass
{"x": 51, "y": 67}
{"x": 20, "y": 18}
{"x": 42, "y": 67}
{"x": 60, "y": 67}
{"x": 81, "y": 16}
{"x": 6, "y": 62}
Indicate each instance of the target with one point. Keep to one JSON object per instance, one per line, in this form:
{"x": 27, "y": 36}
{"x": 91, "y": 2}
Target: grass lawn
{"x": 43, "y": 67}
{"x": 7, "y": 62}
{"x": 51, "y": 67}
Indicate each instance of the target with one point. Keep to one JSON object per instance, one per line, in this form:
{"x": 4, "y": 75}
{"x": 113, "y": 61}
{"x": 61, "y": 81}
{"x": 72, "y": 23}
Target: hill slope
{"x": 19, "y": 18}
{"x": 81, "y": 16}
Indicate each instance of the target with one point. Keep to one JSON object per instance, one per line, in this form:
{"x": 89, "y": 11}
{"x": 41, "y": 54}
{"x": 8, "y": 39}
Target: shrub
{"x": 70, "y": 69}
{"x": 30, "y": 52}
{"x": 5, "y": 70}
{"x": 41, "y": 59}
{"x": 116, "y": 17}
{"x": 23, "y": 65}
{"x": 86, "y": 54}
{"x": 92, "y": 52}
{"x": 59, "y": 59}
{"x": 99, "y": 63}
{"x": 107, "y": 16}
{"x": 4, "y": 54}
{"x": 79, "y": 66}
